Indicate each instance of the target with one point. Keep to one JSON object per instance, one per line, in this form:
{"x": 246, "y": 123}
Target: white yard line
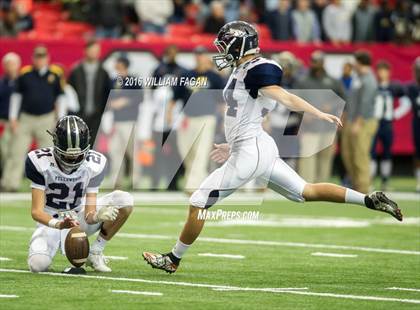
{"x": 178, "y": 198}
{"x": 332, "y": 254}
{"x": 403, "y": 289}
{"x": 5, "y": 259}
{"x": 8, "y": 296}
{"x": 296, "y": 291}
{"x": 117, "y": 257}
{"x": 176, "y": 283}
{"x": 222, "y": 255}
{"x": 137, "y": 292}
{"x": 250, "y": 242}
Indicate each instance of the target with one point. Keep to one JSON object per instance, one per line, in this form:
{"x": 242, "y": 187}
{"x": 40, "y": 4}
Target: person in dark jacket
{"x": 92, "y": 85}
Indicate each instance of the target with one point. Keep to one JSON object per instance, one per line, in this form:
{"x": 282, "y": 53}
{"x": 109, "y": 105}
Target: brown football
{"x": 77, "y": 246}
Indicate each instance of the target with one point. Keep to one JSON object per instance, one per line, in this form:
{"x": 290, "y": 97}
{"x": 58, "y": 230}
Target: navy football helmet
{"x": 71, "y": 142}
{"x": 235, "y": 40}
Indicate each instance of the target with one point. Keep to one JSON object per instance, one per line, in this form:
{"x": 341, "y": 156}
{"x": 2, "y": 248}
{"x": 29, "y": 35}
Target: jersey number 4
{"x": 232, "y": 104}
{"x": 62, "y": 193}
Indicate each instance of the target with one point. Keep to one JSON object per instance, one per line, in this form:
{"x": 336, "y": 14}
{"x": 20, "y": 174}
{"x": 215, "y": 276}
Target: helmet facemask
{"x": 224, "y": 59}
{"x": 71, "y": 159}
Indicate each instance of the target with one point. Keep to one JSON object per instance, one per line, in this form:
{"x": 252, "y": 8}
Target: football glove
{"x": 109, "y": 213}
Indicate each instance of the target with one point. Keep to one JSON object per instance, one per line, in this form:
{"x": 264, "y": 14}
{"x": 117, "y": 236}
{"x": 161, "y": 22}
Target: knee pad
{"x": 39, "y": 262}
{"x": 122, "y": 199}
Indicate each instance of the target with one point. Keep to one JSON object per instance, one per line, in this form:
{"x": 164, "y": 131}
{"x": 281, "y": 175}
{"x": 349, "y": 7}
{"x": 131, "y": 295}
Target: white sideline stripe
{"x": 137, "y": 292}
{"x": 403, "y": 289}
{"x": 8, "y": 296}
{"x": 117, "y": 257}
{"x": 181, "y": 198}
{"x": 250, "y": 242}
{"x": 226, "y": 288}
{"x": 5, "y": 259}
{"x": 222, "y": 255}
{"x": 333, "y": 254}
{"x": 203, "y": 285}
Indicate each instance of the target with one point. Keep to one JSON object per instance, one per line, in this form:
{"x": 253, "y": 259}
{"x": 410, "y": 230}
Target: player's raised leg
{"x": 287, "y": 182}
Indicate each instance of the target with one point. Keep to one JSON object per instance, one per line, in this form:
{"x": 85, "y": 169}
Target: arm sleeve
{"x": 38, "y": 180}
{"x": 367, "y": 95}
{"x": 262, "y": 75}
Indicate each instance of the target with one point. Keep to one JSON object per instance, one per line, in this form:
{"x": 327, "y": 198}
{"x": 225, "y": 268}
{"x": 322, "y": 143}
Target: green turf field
{"x": 277, "y": 252}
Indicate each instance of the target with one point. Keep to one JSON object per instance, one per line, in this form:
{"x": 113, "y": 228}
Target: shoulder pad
{"x": 96, "y": 162}
{"x": 42, "y": 158}
{"x": 56, "y": 69}
{"x": 26, "y": 69}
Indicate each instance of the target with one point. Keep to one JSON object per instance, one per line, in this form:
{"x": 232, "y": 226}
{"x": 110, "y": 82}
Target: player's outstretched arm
{"x": 296, "y": 103}
{"x": 38, "y": 214}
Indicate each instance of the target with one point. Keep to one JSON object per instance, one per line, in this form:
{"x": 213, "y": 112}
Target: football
{"x": 77, "y": 246}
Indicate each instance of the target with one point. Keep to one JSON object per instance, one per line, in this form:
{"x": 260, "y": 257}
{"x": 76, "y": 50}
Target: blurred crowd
{"x": 33, "y": 97}
{"x": 336, "y": 21}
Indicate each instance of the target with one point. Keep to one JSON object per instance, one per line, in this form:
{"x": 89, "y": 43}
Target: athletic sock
{"x": 355, "y": 197}
{"x": 179, "y": 249}
{"x": 98, "y": 245}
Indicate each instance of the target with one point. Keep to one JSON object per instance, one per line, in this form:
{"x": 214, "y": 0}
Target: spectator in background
{"x": 363, "y": 20}
{"x": 413, "y": 93}
{"x": 317, "y": 168}
{"x": 15, "y": 18}
{"x": 284, "y": 123}
{"x": 124, "y": 105}
{"x": 92, "y": 85}
{"x": 337, "y": 22}
{"x": 305, "y": 24}
{"x": 107, "y": 16}
{"x": 318, "y": 6}
{"x": 347, "y": 77}
{"x": 24, "y": 21}
{"x": 382, "y": 23}
{"x": 360, "y": 124}
{"x": 32, "y": 111}
{"x": 279, "y": 21}
{"x": 11, "y": 65}
{"x": 154, "y": 15}
{"x": 403, "y": 21}
{"x": 384, "y": 111}
{"x": 216, "y": 19}
{"x": 196, "y": 134}
{"x": 166, "y": 110}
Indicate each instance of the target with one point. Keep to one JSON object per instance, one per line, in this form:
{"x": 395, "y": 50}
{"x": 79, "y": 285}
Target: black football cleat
{"x": 382, "y": 203}
{"x": 160, "y": 261}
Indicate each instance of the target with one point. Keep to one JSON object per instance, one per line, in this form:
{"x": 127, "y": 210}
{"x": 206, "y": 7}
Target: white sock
{"x": 180, "y": 248}
{"x": 386, "y": 168}
{"x": 98, "y": 245}
{"x": 354, "y": 197}
{"x": 373, "y": 168}
{"x": 418, "y": 175}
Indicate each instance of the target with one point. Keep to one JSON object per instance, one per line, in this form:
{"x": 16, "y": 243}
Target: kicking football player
{"x": 65, "y": 181}
{"x": 252, "y": 91}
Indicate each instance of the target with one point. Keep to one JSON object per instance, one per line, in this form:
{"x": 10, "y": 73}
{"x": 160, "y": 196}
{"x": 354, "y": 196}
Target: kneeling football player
{"x": 65, "y": 182}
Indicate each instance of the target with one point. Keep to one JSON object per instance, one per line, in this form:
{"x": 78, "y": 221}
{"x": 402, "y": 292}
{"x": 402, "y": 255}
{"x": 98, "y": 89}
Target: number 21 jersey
{"x": 64, "y": 191}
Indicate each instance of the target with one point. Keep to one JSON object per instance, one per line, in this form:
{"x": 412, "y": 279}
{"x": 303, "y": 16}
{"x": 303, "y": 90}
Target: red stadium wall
{"x": 68, "y": 52}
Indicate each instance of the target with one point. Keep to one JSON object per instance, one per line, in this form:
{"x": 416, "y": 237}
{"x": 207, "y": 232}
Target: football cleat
{"x": 382, "y": 203}
{"x": 160, "y": 261}
{"x": 98, "y": 262}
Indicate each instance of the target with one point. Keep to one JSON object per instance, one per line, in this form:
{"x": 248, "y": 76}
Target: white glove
{"x": 106, "y": 214}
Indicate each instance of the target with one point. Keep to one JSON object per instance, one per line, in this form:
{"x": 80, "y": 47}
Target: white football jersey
{"x": 245, "y": 106}
{"x": 64, "y": 191}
